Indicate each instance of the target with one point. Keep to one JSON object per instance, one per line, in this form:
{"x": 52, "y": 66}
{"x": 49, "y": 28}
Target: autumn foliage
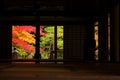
{"x": 24, "y": 37}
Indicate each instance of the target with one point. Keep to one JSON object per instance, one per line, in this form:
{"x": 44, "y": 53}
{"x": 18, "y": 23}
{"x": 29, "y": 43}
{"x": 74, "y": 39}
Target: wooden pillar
{"x": 89, "y": 43}
{"x": 114, "y": 34}
{"x": 55, "y": 41}
{"x": 5, "y": 42}
{"x": 37, "y": 53}
{"x": 117, "y": 32}
{"x": 103, "y": 37}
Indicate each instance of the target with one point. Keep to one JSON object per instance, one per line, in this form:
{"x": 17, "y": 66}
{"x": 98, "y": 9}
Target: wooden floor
{"x": 82, "y": 71}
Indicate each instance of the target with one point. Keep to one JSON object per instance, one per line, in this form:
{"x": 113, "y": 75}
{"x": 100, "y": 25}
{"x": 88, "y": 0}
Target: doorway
{"x": 24, "y": 40}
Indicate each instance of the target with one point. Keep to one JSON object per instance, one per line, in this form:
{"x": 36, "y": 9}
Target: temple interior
{"x": 59, "y": 39}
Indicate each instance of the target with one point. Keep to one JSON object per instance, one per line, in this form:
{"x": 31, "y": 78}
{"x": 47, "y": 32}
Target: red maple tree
{"x": 24, "y": 37}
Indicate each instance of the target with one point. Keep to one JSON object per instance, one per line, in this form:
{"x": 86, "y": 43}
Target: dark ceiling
{"x": 55, "y": 7}
{"x": 56, "y": 10}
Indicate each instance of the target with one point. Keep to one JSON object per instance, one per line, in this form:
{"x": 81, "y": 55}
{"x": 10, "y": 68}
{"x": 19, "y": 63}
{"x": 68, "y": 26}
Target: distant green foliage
{"x": 47, "y": 42}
